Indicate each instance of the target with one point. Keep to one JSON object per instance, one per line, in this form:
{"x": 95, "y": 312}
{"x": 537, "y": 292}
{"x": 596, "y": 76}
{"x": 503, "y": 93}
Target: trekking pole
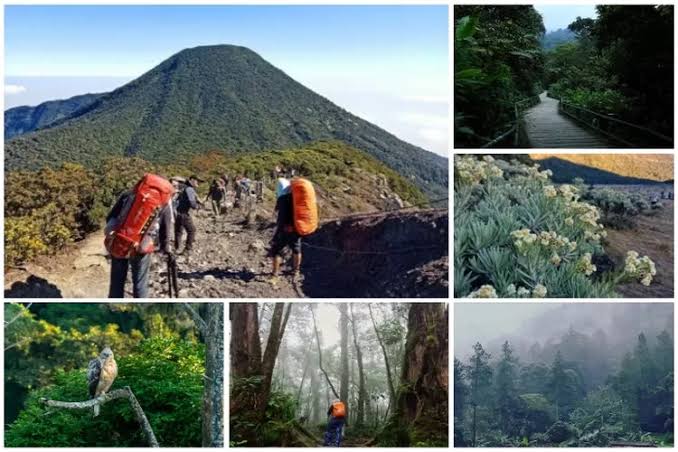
{"x": 169, "y": 274}
{"x": 175, "y": 284}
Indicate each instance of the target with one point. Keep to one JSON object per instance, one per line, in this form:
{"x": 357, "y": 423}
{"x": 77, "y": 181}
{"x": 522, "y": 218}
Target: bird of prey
{"x": 101, "y": 372}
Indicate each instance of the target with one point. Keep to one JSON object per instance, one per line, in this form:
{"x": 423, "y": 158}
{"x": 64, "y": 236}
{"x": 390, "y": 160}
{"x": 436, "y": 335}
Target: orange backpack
{"x": 305, "y": 206}
{"x": 150, "y": 195}
{"x": 338, "y": 409}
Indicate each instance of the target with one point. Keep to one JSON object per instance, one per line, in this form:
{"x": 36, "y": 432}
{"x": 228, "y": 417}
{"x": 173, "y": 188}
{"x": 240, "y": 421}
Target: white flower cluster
{"x": 539, "y": 291}
{"x": 588, "y": 215}
{"x": 486, "y": 291}
{"x": 533, "y": 172}
{"x": 523, "y": 239}
{"x": 470, "y": 171}
{"x": 550, "y": 191}
{"x": 585, "y": 266}
{"x": 642, "y": 269}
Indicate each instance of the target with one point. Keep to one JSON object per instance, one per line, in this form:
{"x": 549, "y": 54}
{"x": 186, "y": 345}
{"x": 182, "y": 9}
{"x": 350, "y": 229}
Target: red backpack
{"x": 338, "y": 409}
{"x": 148, "y": 198}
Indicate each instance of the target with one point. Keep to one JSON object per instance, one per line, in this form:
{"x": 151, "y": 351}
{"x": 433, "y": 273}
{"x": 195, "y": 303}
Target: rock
{"x": 183, "y": 293}
{"x": 209, "y": 278}
{"x": 257, "y": 245}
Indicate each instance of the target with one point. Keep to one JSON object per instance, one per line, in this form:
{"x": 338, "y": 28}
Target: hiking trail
{"x": 401, "y": 253}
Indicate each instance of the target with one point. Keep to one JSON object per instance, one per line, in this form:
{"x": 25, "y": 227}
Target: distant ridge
{"x": 647, "y": 167}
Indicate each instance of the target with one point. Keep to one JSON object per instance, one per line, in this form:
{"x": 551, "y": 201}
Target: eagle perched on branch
{"x": 101, "y": 372}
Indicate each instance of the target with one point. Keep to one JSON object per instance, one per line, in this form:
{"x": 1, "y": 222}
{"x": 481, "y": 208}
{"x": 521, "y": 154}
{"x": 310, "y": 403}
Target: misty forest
{"x": 601, "y": 82}
{"x": 578, "y": 375}
{"x": 386, "y": 362}
{"x": 168, "y": 391}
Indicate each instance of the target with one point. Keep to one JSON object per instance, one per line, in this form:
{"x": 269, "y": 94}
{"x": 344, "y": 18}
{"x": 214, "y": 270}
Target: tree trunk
{"x": 278, "y": 324}
{"x": 391, "y": 389}
{"x": 420, "y": 415}
{"x": 343, "y": 330}
{"x": 362, "y": 393}
{"x": 213, "y": 393}
{"x": 249, "y": 405}
{"x": 320, "y": 357}
{"x": 245, "y": 345}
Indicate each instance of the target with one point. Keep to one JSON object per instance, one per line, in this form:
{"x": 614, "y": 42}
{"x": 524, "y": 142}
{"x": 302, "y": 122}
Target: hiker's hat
{"x": 282, "y": 187}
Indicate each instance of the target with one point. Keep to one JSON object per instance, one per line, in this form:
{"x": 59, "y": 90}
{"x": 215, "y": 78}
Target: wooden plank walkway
{"x": 546, "y": 128}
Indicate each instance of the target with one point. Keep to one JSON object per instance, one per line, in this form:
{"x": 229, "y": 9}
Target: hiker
{"x": 217, "y": 194}
{"x": 133, "y": 246}
{"x": 285, "y": 234}
{"x": 335, "y": 423}
{"x": 187, "y": 201}
{"x": 259, "y": 190}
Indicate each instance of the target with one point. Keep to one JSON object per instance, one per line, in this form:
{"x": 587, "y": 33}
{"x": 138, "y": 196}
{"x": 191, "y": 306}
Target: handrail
{"x": 616, "y": 129}
{"x": 519, "y": 108}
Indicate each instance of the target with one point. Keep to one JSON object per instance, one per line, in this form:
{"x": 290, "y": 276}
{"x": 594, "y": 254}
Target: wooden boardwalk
{"x": 546, "y": 128}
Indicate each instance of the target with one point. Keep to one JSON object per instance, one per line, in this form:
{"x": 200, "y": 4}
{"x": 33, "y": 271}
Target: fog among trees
{"x": 563, "y": 375}
{"x": 388, "y": 362}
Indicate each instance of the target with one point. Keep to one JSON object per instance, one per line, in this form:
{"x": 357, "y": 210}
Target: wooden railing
{"x": 624, "y": 133}
{"x": 518, "y": 110}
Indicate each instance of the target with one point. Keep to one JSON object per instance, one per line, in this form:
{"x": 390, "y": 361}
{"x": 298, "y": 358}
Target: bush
{"x": 48, "y": 209}
{"x": 617, "y": 206}
{"x": 165, "y": 376}
{"x": 516, "y": 235}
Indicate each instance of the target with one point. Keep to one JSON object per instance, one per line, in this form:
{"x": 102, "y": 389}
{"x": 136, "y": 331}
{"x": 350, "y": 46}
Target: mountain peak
{"x": 223, "y": 97}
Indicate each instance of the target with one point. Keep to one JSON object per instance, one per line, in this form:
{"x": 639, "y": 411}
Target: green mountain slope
{"x": 215, "y": 97}
{"x": 20, "y": 120}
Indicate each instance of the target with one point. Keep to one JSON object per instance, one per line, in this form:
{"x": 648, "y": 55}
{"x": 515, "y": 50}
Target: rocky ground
{"x": 399, "y": 254}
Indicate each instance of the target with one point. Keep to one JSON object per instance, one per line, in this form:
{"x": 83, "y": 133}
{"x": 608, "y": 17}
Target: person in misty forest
{"x": 335, "y": 423}
{"x": 156, "y": 236}
{"x": 187, "y": 202}
{"x": 217, "y": 195}
{"x": 285, "y": 235}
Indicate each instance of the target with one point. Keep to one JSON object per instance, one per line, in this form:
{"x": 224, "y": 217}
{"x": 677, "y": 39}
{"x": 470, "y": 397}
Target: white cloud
{"x": 433, "y": 135}
{"x": 427, "y": 99}
{"x": 426, "y": 119}
{"x": 14, "y": 89}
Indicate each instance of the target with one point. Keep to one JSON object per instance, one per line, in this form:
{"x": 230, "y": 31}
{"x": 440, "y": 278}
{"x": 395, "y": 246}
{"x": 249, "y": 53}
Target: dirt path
{"x": 230, "y": 260}
{"x": 652, "y": 236}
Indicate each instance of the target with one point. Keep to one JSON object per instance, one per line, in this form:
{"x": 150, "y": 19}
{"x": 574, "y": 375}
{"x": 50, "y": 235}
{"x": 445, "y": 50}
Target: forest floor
{"x": 652, "y": 235}
{"x": 230, "y": 260}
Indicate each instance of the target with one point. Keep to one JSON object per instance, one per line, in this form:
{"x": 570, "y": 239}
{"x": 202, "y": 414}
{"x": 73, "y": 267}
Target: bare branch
{"x": 16, "y": 317}
{"x": 125, "y": 393}
{"x": 199, "y": 322}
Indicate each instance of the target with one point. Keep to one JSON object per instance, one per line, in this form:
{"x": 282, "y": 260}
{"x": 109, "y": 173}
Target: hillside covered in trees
{"x": 219, "y": 97}
{"x": 170, "y": 356}
{"x": 388, "y": 363}
{"x": 619, "y": 65}
{"x": 576, "y": 375}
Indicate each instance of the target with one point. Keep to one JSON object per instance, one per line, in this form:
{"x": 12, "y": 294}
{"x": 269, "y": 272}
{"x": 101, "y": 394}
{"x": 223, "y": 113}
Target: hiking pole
{"x": 175, "y": 284}
{"x": 169, "y": 274}
{"x": 172, "y": 276}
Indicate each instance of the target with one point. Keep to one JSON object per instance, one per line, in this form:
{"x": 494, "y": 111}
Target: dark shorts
{"x": 282, "y": 239}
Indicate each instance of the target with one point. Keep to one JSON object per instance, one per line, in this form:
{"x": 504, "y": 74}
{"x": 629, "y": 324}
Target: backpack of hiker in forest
{"x": 305, "y": 206}
{"x": 338, "y": 409}
{"x": 125, "y": 237}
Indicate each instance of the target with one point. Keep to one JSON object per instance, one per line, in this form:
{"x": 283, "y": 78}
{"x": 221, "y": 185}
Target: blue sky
{"x": 560, "y": 16}
{"x": 388, "y": 64}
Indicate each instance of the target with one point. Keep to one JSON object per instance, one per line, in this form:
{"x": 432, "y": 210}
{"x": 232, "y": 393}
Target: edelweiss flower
{"x": 539, "y": 291}
{"x": 486, "y": 291}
